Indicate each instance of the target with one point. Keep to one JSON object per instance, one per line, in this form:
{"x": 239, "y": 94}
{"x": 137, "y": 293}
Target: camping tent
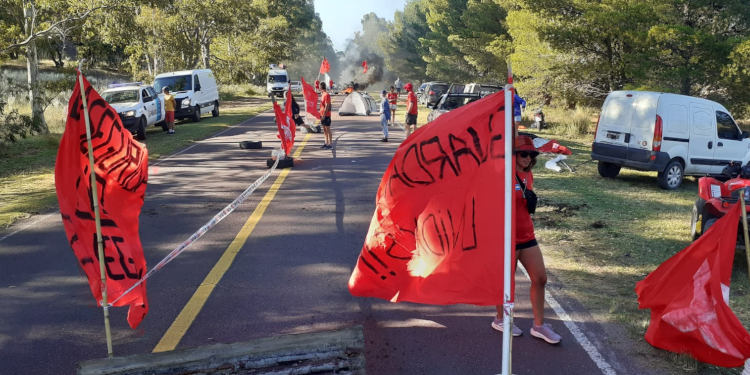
{"x": 358, "y": 104}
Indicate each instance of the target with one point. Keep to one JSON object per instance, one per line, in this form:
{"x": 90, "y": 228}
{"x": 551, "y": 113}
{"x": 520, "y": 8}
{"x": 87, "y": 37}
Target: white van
{"x": 675, "y": 135}
{"x": 195, "y": 92}
{"x": 277, "y": 80}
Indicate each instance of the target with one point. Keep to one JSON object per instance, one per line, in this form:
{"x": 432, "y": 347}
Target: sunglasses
{"x": 527, "y": 154}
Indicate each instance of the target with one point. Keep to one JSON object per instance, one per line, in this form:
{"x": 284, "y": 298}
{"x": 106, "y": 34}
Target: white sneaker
{"x": 497, "y": 324}
{"x": 546, "y": 333}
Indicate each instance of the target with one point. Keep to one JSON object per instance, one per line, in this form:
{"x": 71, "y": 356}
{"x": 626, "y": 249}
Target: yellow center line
{"x": 188, "y": 314}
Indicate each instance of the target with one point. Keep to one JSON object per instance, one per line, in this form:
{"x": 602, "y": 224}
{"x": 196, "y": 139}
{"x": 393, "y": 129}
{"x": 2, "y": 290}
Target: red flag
{"x": 688, "y": 296}
{"x": 121, "y": 167}
{"x": 364, "y": 66}
{"x": 283, "y": 121}
{"x": 436, "y": 235}
{"x": 311, "y": 99}
{"x": 324, "y": 66}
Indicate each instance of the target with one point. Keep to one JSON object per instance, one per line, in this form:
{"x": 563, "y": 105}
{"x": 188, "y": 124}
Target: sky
{"x": 342, "y": 18}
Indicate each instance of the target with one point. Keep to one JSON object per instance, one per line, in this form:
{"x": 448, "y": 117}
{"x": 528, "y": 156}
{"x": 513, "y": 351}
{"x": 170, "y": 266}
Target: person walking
{"x": 385, "y": 113}
{"x": 527, "y": 248}
{"x": 397, "y": 83}
{"x": 393, "y": 100}
{"x": 411, "y": 109}
{"x": 169, "y": 107}
{"x": 325, "y": 116}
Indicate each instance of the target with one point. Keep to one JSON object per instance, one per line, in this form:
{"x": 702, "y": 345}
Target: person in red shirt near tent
{"x": 411, "y": 109}
{"x": 325, "y": 116}
{"x": 393, "y": 100}
{"x": 527, "y": 247}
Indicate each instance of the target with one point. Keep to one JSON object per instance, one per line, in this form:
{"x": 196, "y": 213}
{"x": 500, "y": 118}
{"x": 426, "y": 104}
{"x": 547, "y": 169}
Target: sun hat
{"x": 408, "y": 87}
{"x": 525, "y": 143}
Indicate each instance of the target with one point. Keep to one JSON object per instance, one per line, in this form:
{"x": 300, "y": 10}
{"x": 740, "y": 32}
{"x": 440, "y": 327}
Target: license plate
{"x": 613, "y": 135}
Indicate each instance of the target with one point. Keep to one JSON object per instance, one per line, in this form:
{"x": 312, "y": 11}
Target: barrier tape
{"x": 205, "y": 228}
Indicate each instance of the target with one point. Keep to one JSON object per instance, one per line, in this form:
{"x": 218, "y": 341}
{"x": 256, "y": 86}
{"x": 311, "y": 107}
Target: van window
{"x": 726, "y": 127}
{"x": 276, "y": 78}
{"x": 197, "y": 84}
{"x": 146, "y": 97}
{"x": 175, "y": 83}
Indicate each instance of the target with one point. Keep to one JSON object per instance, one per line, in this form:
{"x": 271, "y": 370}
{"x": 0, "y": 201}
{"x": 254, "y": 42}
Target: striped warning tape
{"x": 205, "y": 228}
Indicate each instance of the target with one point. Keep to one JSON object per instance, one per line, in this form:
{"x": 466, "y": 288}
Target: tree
{"x": 401, "y": 46}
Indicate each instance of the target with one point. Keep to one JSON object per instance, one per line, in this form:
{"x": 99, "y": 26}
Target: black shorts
{"x": 411, "y": 119}
{"x": 325, "y": 121}
{"x": 526, "y": 245}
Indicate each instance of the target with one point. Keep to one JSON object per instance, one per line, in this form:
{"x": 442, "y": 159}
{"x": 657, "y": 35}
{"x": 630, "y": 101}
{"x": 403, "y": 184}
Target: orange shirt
{"x": 325, "y": 104}
{"x": 524, "y": 224}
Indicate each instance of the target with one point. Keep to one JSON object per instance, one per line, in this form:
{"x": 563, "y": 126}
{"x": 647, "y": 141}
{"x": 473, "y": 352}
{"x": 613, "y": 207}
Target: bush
{"x": 571, "y": 122}
{"x": 14, "y": 125}
{"x": 234, "y": 91}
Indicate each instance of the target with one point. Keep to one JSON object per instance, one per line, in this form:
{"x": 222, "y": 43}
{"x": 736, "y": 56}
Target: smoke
{"x": 352, "y": 71}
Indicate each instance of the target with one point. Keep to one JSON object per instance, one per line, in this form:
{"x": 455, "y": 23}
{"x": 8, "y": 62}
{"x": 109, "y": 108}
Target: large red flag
{"x": 688, "y": 296}
{"x": 283, "y": 121}
{"x": 436, "y": 235}
{"x": 324, "y": 66}
{"x": 311, "y": 99}
{"x": 364, "y": 67}
{"x": 121, "y": 167}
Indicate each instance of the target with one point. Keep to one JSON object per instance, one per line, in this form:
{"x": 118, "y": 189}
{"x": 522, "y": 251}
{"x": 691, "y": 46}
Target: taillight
{"x": 656, "y": 144}
{"x": 432, "y": 92}
{"x": 596, "y": 130}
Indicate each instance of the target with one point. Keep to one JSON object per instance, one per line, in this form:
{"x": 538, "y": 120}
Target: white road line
{"x": 577, "y": 333}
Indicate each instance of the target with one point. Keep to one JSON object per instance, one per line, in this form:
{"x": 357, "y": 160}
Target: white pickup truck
{"x": 137, "y": 104}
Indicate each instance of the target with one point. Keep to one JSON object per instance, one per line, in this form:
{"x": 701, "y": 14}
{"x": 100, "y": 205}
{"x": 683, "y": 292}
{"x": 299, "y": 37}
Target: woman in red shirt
{"x": 392, "y": 100}
{"x": 527, "y": 248}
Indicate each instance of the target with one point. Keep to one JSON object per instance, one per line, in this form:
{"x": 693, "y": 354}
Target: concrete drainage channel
{"x": 332, "y": 352}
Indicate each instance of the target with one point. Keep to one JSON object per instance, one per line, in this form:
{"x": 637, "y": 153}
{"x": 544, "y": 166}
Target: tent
{"x": 358, "y": 104}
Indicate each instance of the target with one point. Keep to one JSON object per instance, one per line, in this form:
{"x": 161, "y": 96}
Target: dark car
{"x": 433, "y": 91}
{"x": 450, "y": 101}
{"x": 483, "y": 89}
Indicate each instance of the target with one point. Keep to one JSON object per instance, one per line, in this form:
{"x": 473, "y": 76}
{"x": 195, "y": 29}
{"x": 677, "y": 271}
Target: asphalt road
{"x": 288, "y": 276}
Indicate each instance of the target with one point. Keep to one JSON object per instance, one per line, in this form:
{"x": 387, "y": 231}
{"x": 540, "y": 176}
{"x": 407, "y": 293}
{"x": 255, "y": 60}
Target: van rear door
{"x": 627, "y": 120}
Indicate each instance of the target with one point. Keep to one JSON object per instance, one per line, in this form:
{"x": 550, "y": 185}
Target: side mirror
{"x": 147, "y": 99}
{"x": 744, "y": 135}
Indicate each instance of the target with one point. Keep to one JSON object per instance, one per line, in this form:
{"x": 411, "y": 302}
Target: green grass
{"x": 27, "y": 167}
{"x": 601, "y": 236}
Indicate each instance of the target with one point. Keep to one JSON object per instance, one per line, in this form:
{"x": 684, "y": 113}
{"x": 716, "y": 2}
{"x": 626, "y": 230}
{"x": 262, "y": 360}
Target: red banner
{"x": 324, "y": 66}
{"x": 436, "y": 235}
{"x": 121, "y": 168}
{"x": 364, "y": 67}
{"x": 688, "y": 296}
{"x": 285, "y": 123}
{"x": 311, "y": 99}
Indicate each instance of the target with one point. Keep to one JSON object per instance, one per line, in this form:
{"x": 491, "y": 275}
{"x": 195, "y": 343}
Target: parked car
{"x": 433, "y": 91}
{"x": 675, "y": 135}
{"x": 296, "y": 86}
{"x": 137, "y": 104}
{"x": 483, "y": 89}
{"x": 195, "y": 92}
{"x": 450, "y": 101}
{"x": 420, "y": 91}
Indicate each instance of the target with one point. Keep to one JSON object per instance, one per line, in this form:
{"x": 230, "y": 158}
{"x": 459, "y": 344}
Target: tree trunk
{"x": 32, "y": 76}
{"x": 205, "y": 53}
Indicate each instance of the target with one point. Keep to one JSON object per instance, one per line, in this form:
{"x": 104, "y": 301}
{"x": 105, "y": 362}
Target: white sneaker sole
{"x": 500, "y": 329}
{"x": 543, "y": 337}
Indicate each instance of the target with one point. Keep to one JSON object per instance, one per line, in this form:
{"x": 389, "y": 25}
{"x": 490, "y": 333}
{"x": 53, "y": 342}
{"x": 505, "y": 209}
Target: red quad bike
{"x": 716, "y": 197}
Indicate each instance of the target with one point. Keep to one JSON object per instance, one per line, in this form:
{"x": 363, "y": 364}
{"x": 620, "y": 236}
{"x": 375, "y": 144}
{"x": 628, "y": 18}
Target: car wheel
{"x": 696, "y": 220}
{"x": 608, "y": 170}
{"x": 671, "y": 177}
{"x": 215, "y": 111}
{"x": 141, "y": 129}
{"x": 197, "y": 113}
{"x": 707, "y": 223}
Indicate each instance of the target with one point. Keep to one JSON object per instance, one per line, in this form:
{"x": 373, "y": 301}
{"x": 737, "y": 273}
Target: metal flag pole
{"x": 97, "y": 218}
{"x": 744, "y": 225}
{"x": 507, "y": 234}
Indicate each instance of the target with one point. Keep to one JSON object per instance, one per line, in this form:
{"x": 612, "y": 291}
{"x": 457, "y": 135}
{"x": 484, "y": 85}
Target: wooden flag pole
{"x": 744, "y": 226}
{"x": 97, "y": 218}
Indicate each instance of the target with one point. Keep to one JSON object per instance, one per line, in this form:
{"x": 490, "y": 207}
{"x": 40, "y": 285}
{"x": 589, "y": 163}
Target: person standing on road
{"x": 518, "y": 102}
{"x": 527, "y": 248}
{"x": 393, "y": 100}
{"x": 325, "y": 116}
{"x": 411, "y": 109}
{"x": 385, "y": 113}
{"x": 169, "y": 107}
{"x": 398, "y": 85}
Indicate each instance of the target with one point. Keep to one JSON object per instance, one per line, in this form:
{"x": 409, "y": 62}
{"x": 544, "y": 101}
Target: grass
{"x": 27, "y": 167}
{"x": 601, "y": 236}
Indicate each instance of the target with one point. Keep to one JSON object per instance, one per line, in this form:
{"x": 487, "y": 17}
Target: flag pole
{"x": 744, "y": 225}
{"x": 508, "y": 234}
{"x": 97, "y": 218}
